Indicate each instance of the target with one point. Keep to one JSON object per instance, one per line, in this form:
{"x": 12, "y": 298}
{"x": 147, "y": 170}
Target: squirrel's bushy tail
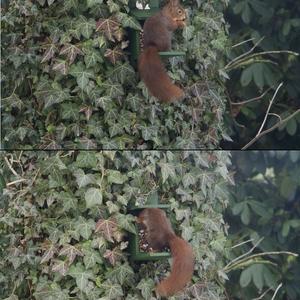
{"x": 154, "y": 75}
{"x": 182, "y": 268}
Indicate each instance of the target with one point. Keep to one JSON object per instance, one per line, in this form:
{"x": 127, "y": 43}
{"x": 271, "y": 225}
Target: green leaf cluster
{"x": 264, "y": 204}
{"x": 277, "y": 24}
{"x": 64, "y": 219}
{"x": 67, "y": 82}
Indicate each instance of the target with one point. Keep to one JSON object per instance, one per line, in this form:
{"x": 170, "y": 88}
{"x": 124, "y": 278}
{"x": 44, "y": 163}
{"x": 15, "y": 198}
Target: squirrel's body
{"x": 157, "y": 37}
{"x": 160, "y": 234}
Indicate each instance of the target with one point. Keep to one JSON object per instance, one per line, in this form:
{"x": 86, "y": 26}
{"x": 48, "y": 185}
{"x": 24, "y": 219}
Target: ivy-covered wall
{"x": 67, "y": 81}
{"x": 50, "y": 203}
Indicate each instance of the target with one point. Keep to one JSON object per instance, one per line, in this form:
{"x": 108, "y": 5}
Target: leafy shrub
{"x": 265, "y": 204}
{"x": 278, "y": 23}
{"x": 67, "y": 81}
{"x": 52, "y": 201}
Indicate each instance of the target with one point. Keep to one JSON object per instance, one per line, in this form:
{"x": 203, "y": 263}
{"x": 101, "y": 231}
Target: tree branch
{"x": 261, "y": 133}
{"x": 252, "y": 99}
{"x": 279, "y": 286}
{"x": 271, "y": 129}
{"x": 244, "y": 54}
{"x": 268, "y": 110}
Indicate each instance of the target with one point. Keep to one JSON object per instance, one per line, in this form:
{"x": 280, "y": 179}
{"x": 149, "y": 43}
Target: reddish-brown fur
{"x": 161, "y": 234}
{"x": 157, "y": 37}
{"x": 154, "y": 74}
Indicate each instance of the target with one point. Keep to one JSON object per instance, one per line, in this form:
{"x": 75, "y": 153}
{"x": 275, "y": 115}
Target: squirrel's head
{"x": 176, "y": 12}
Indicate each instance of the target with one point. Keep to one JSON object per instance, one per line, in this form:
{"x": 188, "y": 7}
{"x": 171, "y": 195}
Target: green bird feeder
{"x": 135, "y": 35}
{"x": 134, "y": 249}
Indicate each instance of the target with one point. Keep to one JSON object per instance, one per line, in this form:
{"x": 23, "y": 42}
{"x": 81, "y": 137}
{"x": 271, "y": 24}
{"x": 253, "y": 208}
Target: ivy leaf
{"x": 91, "y": 258}
{"x": 109, "y": 27}
{"x": 86, "y": 159}
{"x": 85, "y": 227}
{"x": 121, "y": 273}
{"x": 113, "y": 255}
{"x": 69, "y": 111}
{"x": 146, "y": 287}
{"x": 134, "y": 102}
{"x": 81, "y": 276}
{"x": 112, "y": 290}
{"x": 61, "y": 267}
{"x": 128, "y": 21}
{"x": 83, "y": 179}
{"x": 92, "y": 3}
{"x": 52, "y": 164}
{"x": 115, "y": 54}
{"x": 103, "y": 102}
{"x": 82, "y": 75}
{"x": 115, "y": 129}
{"x": 70, "y": 252}
{"x": 71, "y": 51}
{"x": 113, "y": 6}
{"x": 206, "y": 182}
{"x": 107, "y": 228}
{"x": 86, "y": 26}
{"x": 124, "y": 73}
{"x": 49, "y": 53}
{"x": 117, "y": 177}
{"x": 61, "y": 66}
{"x": 167, "y": 170}
{"x": 92, "y": 58}
{"x": 12, "y": 101}
{"x": 68, "y": 4}
{"x": 51, "y": 94}
{"x": 93, "y": 197}
{"x": 50, "y": 251}
{"x": 188, "y": 180}
{"x": 51, "y": 291}
{"x": 126, "y": 222}
{"x": 113, "y": 89}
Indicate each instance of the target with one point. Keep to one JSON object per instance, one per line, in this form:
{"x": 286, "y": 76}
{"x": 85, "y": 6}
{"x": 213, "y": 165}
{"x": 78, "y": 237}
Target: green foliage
{"x": 64, "y": 218}
{"x": 67, "y": 81}
{"x": 265, "y": 204}
{"x": 277, "y": 23}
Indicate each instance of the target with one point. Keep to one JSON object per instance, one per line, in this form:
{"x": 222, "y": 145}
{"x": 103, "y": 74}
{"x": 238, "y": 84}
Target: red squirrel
{"x": 157, "y": 37}
{"x": 159, "y": 234}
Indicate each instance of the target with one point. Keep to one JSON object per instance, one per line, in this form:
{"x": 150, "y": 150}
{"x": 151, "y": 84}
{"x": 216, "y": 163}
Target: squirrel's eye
{"x": 179, "y": 11}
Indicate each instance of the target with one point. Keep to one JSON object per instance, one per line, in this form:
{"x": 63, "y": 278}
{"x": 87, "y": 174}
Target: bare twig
{"x": 242, "y": 43}
{"x": 275, "y": 115}
{"x": 268, "y": 110}
{"x": 243, "y": 58}
{"x": 242, "y": 243}
{"x": 16, "y": 181}
{"x": 244, "y": 54}
{"x": 271, "y": 129}
{"x": 252, "y": 99}
{"x": 245, "y": 254}
{"x": 257, "y": 136}
{"x": 276, "y": 291}
{"x": 251, "y": 257}
{"x": 11, "y": 168}
{"x": 262, "y": 295}
{"x": 273, "y": 253}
